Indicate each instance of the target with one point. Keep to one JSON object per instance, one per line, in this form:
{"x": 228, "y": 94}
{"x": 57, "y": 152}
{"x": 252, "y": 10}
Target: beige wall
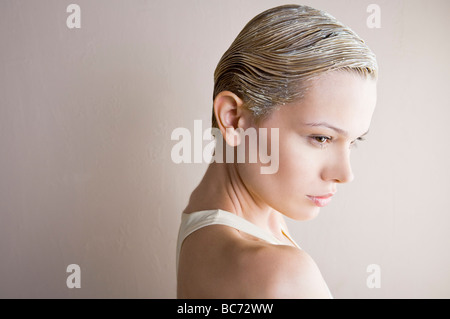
{"x": 86, "y": 175}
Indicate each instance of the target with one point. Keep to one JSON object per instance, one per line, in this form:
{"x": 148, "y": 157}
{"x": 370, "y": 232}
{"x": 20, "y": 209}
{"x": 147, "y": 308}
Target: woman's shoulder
{"x": 280, "y": 271}
{"x": 233, "y": 265}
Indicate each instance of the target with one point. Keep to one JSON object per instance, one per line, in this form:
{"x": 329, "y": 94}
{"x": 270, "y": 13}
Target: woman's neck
{"x": 222, "y": 188}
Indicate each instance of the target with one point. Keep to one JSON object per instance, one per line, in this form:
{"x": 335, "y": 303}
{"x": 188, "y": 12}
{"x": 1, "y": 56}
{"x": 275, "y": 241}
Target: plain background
{"x": 86, "y": 176}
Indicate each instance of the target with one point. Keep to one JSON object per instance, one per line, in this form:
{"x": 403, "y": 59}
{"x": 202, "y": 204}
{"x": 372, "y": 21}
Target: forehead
{"x": 341, "y": 99}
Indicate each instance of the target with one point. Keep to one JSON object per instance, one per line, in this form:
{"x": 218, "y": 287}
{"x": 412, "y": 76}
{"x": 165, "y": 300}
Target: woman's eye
{"x": 321, "y": 140}
{"x": 355, "y": 143}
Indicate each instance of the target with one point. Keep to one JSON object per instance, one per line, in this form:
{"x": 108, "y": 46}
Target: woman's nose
{"x": 339, "y": 169}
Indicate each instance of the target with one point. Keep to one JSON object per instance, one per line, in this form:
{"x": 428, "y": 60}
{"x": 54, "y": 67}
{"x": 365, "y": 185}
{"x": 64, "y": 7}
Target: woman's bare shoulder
{"x": 284, "y": 272}
{"x": 224, "y": 263}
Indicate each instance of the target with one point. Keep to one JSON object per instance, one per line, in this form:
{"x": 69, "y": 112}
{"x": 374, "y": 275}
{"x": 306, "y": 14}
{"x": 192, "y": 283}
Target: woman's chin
{"x": 305, "y": 214}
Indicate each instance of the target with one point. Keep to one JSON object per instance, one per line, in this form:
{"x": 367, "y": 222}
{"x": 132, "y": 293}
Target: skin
{"x": 316, "y": 135}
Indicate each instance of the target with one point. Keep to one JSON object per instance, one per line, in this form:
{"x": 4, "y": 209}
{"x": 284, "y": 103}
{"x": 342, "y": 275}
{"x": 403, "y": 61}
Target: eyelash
{"x": 355, "y": 142}
{"x": 327, "y": 140}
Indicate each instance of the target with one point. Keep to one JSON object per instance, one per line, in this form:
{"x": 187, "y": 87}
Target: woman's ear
{"x": 231, "y": 116}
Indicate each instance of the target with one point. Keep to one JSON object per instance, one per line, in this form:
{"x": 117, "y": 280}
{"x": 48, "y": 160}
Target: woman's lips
{"x": 321, "y": 201}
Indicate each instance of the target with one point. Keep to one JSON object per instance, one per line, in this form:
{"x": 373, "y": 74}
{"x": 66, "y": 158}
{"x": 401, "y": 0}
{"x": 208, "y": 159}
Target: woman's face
{"x": 316, "y": 136}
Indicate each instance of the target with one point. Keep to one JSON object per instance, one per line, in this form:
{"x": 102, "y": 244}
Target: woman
{"x": 301, "y": 74}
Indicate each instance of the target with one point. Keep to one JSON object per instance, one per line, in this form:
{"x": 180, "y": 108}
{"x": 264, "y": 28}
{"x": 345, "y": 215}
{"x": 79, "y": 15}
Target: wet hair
{"x": 279, "y": 51}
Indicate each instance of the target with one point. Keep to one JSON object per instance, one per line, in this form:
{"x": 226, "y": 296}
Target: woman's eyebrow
{"x": 336, "y": 129}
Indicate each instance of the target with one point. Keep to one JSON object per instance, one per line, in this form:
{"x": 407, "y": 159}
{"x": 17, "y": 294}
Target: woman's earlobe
{"x": 232, "y": 137}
